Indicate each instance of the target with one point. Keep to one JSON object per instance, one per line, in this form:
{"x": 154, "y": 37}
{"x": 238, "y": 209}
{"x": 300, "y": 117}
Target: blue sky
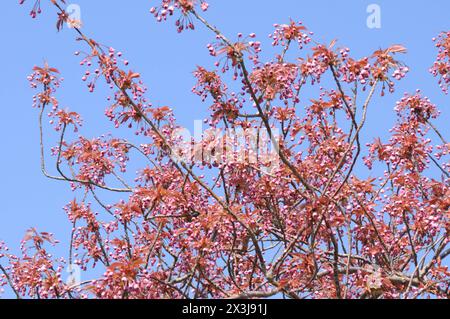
{"x": 166, "y": 61}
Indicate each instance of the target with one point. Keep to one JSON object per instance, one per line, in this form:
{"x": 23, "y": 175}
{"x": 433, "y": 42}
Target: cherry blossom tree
{"x": 204, "y": 220}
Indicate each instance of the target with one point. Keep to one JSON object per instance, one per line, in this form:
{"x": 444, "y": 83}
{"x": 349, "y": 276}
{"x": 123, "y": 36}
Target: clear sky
{"x": 166, "y": 60}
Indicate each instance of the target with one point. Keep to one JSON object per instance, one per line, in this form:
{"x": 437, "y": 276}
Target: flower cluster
{"x": 108, "y": 64}
{"x": 36, "y": 273}
{"x": 287, "y": 33}
{"x": 48, "y": 78}
{"x": 385, "y": 66}
{"x": 79, "y": 211}
{"x": 234, "y": 53}
{"x": 276, "y": 79}
{"x": 417, "y": 108}
{"x": 65, "y": 118}
{"x": 208, "y": 83}
{"x": 441, "y": 67}
{"x": 323, "y": 57}
{"x": 408, "y": 149}
{"x": 36, "y": 8}
{"x": 355, "y": 70}
{"x": 96, "y": 158}
{"x": 380, "y": 67}
{"x": 130, "y": 106}
{"x": 168, "y": 7}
